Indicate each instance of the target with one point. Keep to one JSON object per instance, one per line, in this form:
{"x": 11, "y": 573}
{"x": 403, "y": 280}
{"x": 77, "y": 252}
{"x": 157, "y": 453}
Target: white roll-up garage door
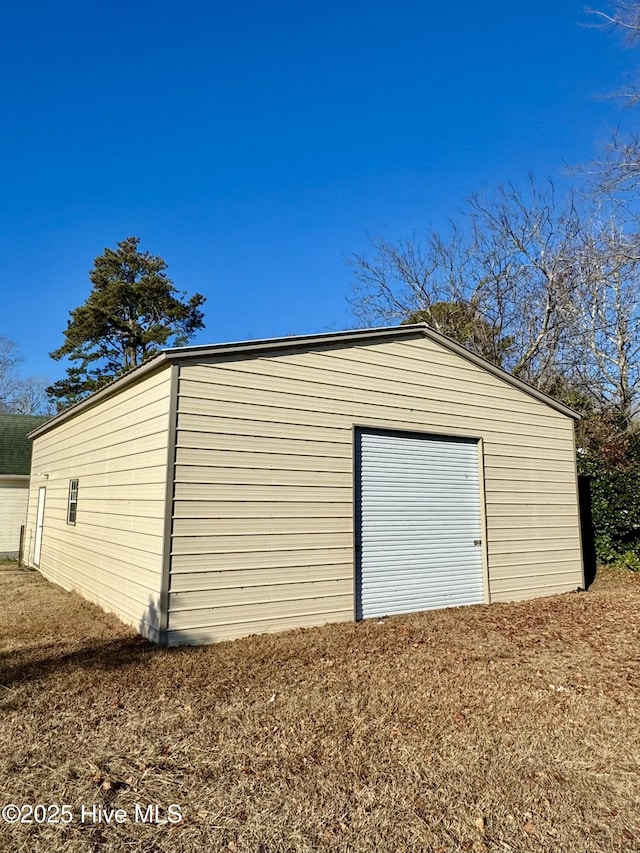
{"x": 419, "y": 523}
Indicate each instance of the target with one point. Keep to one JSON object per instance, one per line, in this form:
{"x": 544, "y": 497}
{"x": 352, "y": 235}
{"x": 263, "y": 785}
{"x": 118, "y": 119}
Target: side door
{"x": 37, "y": 546}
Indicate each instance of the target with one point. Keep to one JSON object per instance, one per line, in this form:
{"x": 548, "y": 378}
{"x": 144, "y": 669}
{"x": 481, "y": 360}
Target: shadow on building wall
{"x": 586, "y": 530}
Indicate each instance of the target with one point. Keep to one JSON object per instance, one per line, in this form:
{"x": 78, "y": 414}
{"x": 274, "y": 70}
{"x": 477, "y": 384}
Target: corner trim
{"x": 483, "y": 523}
{"x": 167, "y": 537}
{"x": 356, "y": 504}
{"x": 578, "y": 507}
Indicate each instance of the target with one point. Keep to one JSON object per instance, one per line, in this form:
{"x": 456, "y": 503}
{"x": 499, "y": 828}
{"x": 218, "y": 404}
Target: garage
{"x": 418, "y": 523}
{"x": 231, "y": 489}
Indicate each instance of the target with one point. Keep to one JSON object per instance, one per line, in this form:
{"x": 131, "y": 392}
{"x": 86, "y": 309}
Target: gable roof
{"x": 15, "y": 447}
{"x": 250, "y": 348}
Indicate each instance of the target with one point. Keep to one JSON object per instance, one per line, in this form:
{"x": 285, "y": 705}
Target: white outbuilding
{"x": 15, "y": 465}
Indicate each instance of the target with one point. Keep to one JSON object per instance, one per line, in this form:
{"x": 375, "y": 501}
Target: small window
{"x": 72, "y": 508}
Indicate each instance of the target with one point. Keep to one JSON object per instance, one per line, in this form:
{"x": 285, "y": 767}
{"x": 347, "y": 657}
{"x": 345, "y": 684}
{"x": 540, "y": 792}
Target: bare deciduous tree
{"x": 508, "y": 263}
{"x": 409, "y": 276}
{"x": 624, "y": 15}
{"x": 18, "y": 395}
{"x": 617, "y": 172}
{"x": 9, "y": 359}
{"x": 523, "y": 249}
{"x": 614, "y": 176}
{"x": 29, "y": 397}
{"x": 606, "y": 320}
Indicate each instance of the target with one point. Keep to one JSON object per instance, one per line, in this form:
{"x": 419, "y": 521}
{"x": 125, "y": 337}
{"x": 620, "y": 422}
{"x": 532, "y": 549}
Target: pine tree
{"x": 132, "y": 312}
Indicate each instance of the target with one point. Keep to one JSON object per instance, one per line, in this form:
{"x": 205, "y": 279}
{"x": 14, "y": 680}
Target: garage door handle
{"x": 477, "y": 541}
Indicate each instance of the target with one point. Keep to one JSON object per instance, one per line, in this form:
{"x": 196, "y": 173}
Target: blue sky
{"x": 255, "y": 145}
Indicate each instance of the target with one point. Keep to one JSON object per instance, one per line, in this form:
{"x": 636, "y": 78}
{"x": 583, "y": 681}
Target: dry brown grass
{"x": 505, "y": 728}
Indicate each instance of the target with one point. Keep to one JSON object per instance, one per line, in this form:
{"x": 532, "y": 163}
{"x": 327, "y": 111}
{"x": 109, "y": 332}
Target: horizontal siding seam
{"x": 332, "y": 614}
{"x": 263, "y": 380}
{"x": 261, "y": 585}
{"x": 60, "y": 549}
{"x": 393, "y": 412}
{"x": 85, "y": 536}
{"x": 142, "y": 418}
{"x": 88, "y": 514}
{"x": 65, "y": 581}
{"x": 535, "y": 562}
{"x": 178, "y": 572}
{"x": 566, "y": 586}
{"x": 184, "y": 444}
{"x": 91, "y": 581}
{"x": 357, "y": 358}
{"x": 240, "y": 603}
{"x": 265, "y": 551}
{"x": 135, "y": 574}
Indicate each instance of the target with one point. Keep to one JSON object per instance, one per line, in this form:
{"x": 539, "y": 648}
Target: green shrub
{"x": 606, "y": 551}
{"x": 631, "y": 560}
{"x": 610, "y": 456}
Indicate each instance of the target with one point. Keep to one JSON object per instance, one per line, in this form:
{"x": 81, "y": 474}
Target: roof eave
{"x": 500, "y": 373}
{"x": 297, "y": 341}
{"x": 128, "y": 379}
{"x": 248, "y": 348}
{"x": 353, "y": 336}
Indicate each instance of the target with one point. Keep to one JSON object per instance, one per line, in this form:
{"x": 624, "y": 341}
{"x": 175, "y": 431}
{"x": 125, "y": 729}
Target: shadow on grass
{"x": 38, "y": 662}
{"x": 42, "y": 660}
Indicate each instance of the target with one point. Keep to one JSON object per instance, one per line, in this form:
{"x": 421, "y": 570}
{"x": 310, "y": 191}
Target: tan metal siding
{"x": 13, "y": 512}
{"x": 118, "y": 452}
{"x": 264, "y": 479}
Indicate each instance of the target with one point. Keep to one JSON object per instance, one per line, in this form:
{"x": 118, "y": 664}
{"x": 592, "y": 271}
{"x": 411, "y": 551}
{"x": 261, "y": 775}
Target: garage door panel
{"x": 414, "y": 496}
{"x": 424, "y": 512}
{"x": 419, "y": 523}
{"x": 405, "y": 601}
{"x": 406, "y": 581}
{"x": 404, "y": 551}
{"x": 383, "y": 519}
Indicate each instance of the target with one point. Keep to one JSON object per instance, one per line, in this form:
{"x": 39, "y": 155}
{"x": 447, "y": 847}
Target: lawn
{"x": 514, "y": 727}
